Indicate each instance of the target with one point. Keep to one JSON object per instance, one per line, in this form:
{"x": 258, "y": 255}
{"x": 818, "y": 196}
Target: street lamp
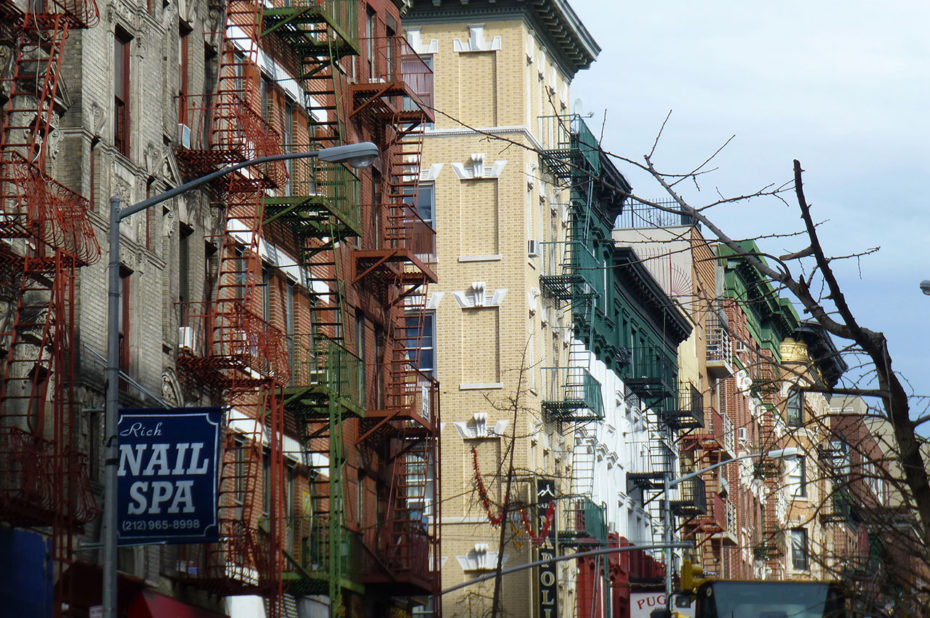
{"x": 669, "y": 483}
{"x": 925, "y": 286}
{"x": 356, "y": 155}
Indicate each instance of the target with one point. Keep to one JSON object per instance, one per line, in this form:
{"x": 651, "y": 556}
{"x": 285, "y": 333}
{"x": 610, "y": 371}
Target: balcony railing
{"x": 394, "y": 66}
{"x": 639, "y": 215}
{"x": 650, "y": 374}
{"x": 310, "y": 543}
{"x": 323, "y": 372}
{"x": 318, "y": 199}
{"x": 315, "y": 27}
{"x": 81, "y": 13}
{"x": 719, "y": 352}
{"x": 729, "y": 436}
{"x": 570, "y": 270}
{"x": 585, "y": 519}
{"x": 577, "y": 395}
{"x": 692, "y": 498}
{"x": 239, "y": 340}
{"x": 213, "y": 132}
{"x": 687, "y": 411}
{"x": 39, "y": 484}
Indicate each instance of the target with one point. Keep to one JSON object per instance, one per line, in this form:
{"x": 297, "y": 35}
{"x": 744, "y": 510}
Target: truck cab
{"x": 768, "y": 599}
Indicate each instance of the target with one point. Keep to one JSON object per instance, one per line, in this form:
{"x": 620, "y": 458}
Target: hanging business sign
{"x": 167, "y": 479}
{"x": 548, "y": 582}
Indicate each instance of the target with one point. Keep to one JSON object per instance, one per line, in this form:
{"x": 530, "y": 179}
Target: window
{"x": 288, "y": 146}
{"x": 265, "y": 96}
{"x": 370, "y": 40}
{"x": 266, "y": 483}
{"x": 184, "y": 265}
{"x": 799, "y": 555}
{"x": 389, "y": 50}
{"x": 125, "y": 276}
{"x": 241, "y": 469}
{"x": 421, "y": 331}
{"x": 360, "y": 499}
{"x": 797, "y": 476}
{"x": 426, "y": 203}
{"x": 794, "y": 408}
{"x": 289, "y": 321}
{"x": 266, "y": 293}
{"x": 290, "y": 519}
{"x": 121, "y": 92}
{"x": 240, "y": 273}
{"x": 183, "y": 62}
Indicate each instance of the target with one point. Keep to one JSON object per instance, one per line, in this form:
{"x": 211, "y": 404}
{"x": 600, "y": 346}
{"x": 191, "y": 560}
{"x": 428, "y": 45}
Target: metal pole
{"x": 667, "y": 540}
{"x": 108, "y": 527}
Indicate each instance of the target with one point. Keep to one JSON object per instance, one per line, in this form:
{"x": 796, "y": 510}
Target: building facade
{"x": 290, "y": 294}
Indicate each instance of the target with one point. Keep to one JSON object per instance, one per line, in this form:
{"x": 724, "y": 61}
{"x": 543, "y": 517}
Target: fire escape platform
{"x": 393, "y": 264}
{"x": 561, "y": 287}
{"x": 312, "y": 216}
{"x": 313, "y": 401}
{"x": 197, "y": 163}
{"x": 305, "y": 27}
{"x": 387, "y": 99}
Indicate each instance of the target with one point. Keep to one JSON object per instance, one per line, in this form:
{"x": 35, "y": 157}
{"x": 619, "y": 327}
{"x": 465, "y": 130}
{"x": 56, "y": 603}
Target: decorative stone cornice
{"x": 570, "y": 43}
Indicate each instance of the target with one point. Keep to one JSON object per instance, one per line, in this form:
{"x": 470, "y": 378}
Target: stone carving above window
{"x": 478, "y": 427}
{"x": 417, "y": 44}
{"x": 476, "y": 41}
{"x": 476, "y": 296}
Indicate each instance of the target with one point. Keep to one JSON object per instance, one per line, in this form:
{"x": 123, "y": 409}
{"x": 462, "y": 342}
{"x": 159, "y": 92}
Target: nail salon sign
{"x": 167, "y": 478}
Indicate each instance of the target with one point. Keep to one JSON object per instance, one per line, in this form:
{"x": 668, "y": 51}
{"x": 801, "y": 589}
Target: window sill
{"x": 478, "y": 387}
{"x": 496, "y": 257}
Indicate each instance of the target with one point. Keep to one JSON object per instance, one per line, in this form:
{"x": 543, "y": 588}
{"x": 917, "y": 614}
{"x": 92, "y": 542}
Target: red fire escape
{"x": 709, "y": 445}
{"x": 234, "y": 351}
{"x": 397, "y": 263}
{"x": 44, "y": 237}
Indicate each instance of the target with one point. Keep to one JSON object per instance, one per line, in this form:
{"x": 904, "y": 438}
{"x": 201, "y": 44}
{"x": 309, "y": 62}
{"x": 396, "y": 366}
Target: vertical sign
{"x": 167, "y": 479}
{"x": 548, "y": 583}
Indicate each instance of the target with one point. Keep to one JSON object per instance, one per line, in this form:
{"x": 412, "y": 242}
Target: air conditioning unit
{"x": 533, "y": 248}
{"x": 184, "y": 135}
{"x": 742, "y": 435}
{"x": 186, "y": 339}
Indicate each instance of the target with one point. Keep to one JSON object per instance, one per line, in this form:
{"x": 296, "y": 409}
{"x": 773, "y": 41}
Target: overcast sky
{"x": 843, "y": 87}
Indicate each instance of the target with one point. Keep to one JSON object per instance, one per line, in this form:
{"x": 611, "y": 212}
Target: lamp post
{"x": 670, "y": 483}
{"x": 356, "y": 155}
{"x": 925, "y": 286}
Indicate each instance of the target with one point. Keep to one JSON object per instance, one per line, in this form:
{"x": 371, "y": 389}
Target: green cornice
{"x": 637, "y": 278}
{"x": 569, "y": 41}
{"x": 769, "y": 317}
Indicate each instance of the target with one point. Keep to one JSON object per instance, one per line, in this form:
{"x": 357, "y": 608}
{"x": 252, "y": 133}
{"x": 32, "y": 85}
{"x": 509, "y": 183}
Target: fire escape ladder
{"x": 244, "y": 356}
{"x": 584, "y": 457}
{"x": 327, "y": 388}
{"x": 406, "y": 543}
{"x": 32, "y": 346}
{"x": 320, "y": 34}
{"x": 33, "y": 86}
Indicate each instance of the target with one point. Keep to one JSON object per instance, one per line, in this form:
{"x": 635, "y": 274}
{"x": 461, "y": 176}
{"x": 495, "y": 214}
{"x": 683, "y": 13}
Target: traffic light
{"x": 692, "y": 576}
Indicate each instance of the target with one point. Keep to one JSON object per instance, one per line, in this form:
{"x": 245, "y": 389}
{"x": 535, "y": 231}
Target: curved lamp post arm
{"x": 776, "y": 454}
{"x": 356, "y": 155}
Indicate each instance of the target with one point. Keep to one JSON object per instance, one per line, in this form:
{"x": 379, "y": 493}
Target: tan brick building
{"x": 502, "y": 70}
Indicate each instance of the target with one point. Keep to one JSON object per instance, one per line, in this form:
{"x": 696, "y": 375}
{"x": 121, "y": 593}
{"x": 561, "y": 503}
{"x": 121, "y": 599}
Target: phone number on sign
{"x": 160, "y": 524}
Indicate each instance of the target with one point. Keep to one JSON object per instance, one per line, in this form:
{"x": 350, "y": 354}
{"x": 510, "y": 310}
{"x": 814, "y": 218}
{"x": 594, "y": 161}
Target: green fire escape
{"x": 320, "y": 206}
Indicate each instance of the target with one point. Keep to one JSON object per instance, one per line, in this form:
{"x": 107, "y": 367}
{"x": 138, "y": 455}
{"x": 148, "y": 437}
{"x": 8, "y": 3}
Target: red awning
{"x": 150, "y": 604}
